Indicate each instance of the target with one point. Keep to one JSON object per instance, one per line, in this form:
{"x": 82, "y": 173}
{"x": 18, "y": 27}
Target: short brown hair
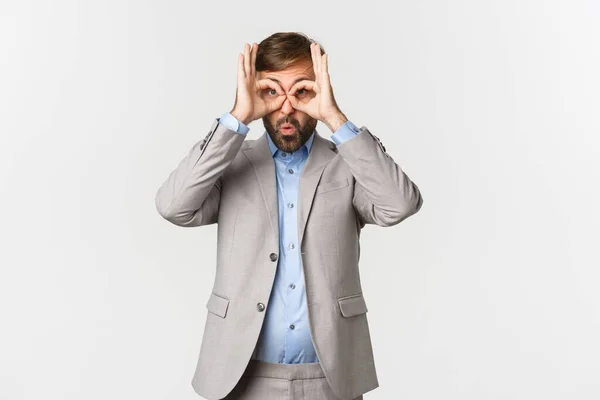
{"x": 282, "y": 49}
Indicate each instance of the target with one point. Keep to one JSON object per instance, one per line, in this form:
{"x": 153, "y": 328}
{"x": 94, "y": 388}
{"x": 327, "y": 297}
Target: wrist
{"x": 241, "y": 117}
{"x": 336, "y": 121}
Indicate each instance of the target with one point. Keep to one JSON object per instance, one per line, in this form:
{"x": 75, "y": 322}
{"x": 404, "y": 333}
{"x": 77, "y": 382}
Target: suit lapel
{"x": 259, "y": 154}
{"x": 321, "y": 153}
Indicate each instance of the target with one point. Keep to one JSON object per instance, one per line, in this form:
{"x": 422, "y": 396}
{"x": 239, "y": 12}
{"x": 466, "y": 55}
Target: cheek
{"x": 302, "y": 117}
{"x": 272, "y": 117}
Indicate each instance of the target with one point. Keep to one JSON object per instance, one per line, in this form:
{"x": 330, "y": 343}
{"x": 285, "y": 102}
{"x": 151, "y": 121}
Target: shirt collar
{"x": 307, "y": 145}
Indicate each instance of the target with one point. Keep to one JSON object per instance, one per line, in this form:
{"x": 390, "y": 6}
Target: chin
{"x": 295, "y": 135}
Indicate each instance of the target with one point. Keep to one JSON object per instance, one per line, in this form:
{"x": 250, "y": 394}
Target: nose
{"x": 287, "y": 108}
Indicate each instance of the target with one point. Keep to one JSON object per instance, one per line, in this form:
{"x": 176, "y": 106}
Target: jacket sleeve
{"x": 383, "y": 194}
{"x": 191, "y": 194}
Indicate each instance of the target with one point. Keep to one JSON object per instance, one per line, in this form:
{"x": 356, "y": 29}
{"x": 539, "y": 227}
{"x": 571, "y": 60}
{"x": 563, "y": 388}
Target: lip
{"x": 288, "y": 128}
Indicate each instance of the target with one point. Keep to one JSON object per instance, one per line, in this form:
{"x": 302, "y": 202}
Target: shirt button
{"x": 292, "y": 327}
{"x": 283, "y": 154}
{"x": 292, "y": 285}
{"x": 291, "y": 205}
{"x": 273, "y": 257}
{"x": 260, "y": 307}
{"x": 292, "y": 245}
{"x": 291, "y": 171}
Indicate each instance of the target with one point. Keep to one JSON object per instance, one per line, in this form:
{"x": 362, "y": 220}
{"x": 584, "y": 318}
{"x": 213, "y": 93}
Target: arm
{"x": 383, "y": 194}
{"x": 371, "y": 208}
{"x": 191, "y": 194}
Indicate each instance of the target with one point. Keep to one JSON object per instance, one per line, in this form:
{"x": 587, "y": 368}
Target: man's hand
{"x": 253, "y": 99}
{"x": 322, "y": 105}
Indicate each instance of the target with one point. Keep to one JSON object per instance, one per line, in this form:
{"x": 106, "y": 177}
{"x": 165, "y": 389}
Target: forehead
{"x": 290, "y": 75}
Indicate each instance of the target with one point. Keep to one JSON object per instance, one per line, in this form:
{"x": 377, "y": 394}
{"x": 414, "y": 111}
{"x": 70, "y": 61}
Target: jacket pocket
{"x": 217, "y": 305}
{"x": 332, "y": 185}
{"x": 352, "y": 305}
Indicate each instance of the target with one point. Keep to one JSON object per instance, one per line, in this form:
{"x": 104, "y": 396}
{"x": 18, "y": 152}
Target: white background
{"x": 491, "y": 107}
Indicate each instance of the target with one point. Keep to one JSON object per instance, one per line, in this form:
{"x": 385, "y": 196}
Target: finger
{"x": 312, "y": 57}
{"x": 317, "y": 58}
{"x": 247, "y": 58}
{"x": 269, "y": 84}
{"x": 304, "y": 84}
{"x": 253, "y": 59}
{"x": 241, "y": 73}
{"x": 297, "y": 104}
{"x": 315, "y": 61}
{"x": 324, "y": 67}
{"x": 276, "y": 104}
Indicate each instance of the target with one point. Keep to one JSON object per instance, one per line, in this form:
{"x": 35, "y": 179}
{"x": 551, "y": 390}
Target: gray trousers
{"x": 272, "y": 381}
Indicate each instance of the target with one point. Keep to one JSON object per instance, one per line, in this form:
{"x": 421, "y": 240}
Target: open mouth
{"x": 287, "y": 128}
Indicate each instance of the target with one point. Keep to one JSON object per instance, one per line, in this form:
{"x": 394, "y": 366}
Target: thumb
{"x": 297, "y": 104}
{"x": 275, "y": 104}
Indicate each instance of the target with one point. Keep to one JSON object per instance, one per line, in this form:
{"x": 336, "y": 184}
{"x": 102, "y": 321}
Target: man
{"x": 286, "y": 317}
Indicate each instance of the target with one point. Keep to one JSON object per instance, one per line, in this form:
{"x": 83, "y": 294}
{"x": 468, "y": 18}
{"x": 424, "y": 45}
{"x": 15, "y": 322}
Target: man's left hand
{"x": 321, "y": 105}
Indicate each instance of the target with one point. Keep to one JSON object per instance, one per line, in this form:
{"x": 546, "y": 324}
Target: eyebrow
{"x": 296, "y": 81}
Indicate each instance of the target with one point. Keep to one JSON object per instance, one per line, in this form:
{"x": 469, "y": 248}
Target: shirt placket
{"x": 290, "y": 220}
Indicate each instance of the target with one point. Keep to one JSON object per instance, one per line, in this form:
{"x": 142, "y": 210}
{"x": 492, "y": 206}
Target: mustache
{"x": 288, "y": 121}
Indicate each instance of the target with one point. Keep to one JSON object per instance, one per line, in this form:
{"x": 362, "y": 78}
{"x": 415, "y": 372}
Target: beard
{"x": 293, "y": 142}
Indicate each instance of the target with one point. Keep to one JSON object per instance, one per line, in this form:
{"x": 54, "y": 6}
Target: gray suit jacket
{"x": 230, "y": 180}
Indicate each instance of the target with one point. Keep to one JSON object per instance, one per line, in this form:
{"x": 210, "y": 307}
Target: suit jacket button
{"x": 260, "y": 307}
{"x": 273, "y": 257}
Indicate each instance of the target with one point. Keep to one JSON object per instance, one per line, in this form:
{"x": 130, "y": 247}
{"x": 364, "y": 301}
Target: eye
{"x": 272, "y": 90}
{"x": 299, "y": 90}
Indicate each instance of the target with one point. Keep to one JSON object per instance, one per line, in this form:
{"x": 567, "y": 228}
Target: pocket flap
{"x": 217, "y": 305}
{"x": 352, "y": 305}
{"x": 332, "y": 185}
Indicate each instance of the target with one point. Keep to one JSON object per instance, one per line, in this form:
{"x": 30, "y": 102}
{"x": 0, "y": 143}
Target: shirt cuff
{"x": 345, "y": 132}
{"x": 231, "y": 122}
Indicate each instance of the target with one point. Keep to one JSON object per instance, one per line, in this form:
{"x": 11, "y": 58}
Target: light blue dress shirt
{"x": 285, "y": 335}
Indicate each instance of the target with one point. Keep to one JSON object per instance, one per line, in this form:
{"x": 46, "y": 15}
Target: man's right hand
{"x": 253, "y": 98}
